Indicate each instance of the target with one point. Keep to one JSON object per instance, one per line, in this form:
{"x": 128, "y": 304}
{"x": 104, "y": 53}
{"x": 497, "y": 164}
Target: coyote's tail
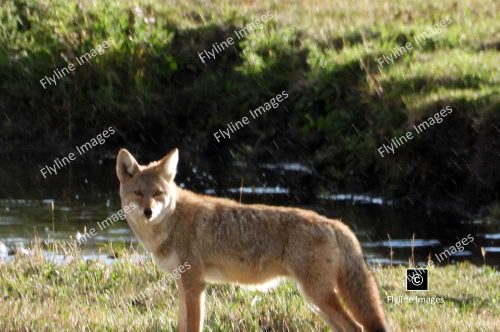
{"x": 357, "y": 285}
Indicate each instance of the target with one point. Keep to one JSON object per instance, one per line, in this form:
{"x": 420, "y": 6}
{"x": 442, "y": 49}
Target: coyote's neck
{"x": 151, "y": 236}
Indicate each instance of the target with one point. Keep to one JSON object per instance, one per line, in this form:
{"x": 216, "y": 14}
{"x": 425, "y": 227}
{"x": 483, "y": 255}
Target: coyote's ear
{"x": 168, "y": 165}
{"x": 126, "y": 165}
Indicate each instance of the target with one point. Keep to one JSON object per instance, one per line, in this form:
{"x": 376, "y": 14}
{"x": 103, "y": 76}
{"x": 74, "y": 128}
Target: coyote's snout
{"x": 225, "y": 241}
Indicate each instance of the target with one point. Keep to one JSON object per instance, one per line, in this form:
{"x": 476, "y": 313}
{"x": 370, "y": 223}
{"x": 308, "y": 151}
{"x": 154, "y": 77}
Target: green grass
{"x": 38, "y": 295}
{"x": 153, "y": 88}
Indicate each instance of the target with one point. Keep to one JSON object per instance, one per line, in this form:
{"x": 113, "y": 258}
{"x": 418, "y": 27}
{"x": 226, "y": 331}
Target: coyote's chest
{"x": 167, "y": 263}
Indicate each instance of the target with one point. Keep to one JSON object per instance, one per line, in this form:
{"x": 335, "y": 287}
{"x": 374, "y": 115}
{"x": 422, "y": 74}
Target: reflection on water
{"x": 69, "y": 205}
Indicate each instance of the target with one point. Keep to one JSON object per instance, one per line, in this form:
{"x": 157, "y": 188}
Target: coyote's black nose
{"x": 148, "y": 213}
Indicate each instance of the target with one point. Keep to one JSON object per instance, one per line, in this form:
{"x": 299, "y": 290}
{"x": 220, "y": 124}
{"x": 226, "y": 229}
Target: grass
{"x": 79, "y": 295}
{"x": 153, "y": 88}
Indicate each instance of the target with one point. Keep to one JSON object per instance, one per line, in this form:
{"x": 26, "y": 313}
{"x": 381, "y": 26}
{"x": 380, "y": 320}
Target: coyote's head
{"x": 150, "y": 189}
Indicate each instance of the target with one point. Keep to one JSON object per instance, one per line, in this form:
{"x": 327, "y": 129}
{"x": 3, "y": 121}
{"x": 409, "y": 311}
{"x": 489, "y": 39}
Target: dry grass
{"x": 78, "y": 295}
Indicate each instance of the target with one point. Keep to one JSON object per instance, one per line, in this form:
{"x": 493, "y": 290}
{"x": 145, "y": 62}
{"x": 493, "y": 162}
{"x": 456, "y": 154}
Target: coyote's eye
{"x": 138, "y": 193}
{"x": 158, "y": 193}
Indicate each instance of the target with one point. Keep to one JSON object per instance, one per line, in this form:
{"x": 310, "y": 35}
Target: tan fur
{"x": 225, "y": 241}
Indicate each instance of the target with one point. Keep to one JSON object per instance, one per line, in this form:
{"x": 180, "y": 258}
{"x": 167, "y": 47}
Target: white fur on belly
{"x": 215, "y": 275}
{"x": 167, "y": 263}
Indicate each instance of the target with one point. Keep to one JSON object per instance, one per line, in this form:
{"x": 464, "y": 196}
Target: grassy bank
{"x": 79, "y": 295}
{"x": 152, "y": 87}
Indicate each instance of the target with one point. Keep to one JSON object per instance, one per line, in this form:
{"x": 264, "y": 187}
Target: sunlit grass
{"x": 36, "y": 294}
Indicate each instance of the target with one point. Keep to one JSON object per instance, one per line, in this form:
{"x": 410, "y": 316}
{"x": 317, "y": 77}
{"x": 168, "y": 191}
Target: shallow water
{"x": 61, "y": 207}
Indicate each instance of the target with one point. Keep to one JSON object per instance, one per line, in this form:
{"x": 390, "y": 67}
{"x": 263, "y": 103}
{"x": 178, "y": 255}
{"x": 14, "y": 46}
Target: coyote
{"x": 228, "y": 242}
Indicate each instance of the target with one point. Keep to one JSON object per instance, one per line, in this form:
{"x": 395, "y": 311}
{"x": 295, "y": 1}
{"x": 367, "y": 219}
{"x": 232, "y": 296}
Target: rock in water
{"x": 20, "y": 250}
{"x": 4, "y": 252}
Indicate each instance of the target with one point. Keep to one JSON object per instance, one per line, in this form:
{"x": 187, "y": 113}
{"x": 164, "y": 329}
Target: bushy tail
{"x": 357, "y": 285}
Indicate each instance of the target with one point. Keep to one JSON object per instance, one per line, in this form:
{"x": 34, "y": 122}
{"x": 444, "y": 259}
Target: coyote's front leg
{"x": 191, "y": 302}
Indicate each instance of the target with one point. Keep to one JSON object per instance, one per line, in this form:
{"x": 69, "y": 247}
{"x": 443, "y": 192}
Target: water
{"x": 62, "y": 206}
